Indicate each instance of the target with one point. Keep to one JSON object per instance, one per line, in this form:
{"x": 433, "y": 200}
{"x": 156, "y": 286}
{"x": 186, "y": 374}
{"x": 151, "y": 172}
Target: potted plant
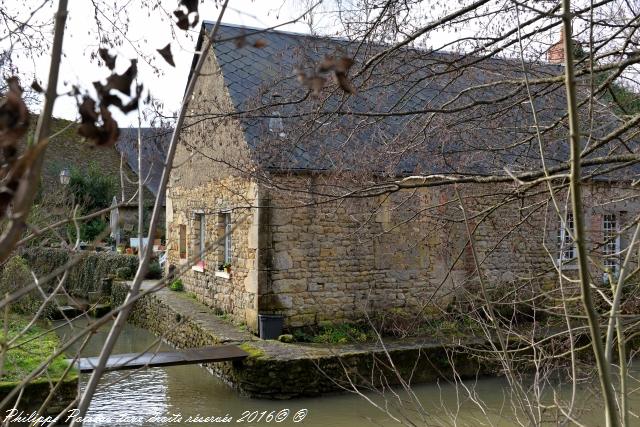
{"x": 226, "y": 267}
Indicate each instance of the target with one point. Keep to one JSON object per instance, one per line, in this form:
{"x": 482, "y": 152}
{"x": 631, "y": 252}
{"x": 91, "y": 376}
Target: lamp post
{"x": 65, "y": 179}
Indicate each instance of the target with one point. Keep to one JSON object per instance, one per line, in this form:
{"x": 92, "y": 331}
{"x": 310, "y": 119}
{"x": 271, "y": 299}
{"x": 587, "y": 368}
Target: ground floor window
{"x": 566, "y": 245}
{"x": 200, "y": 243}
{"x": 225, "y": 227}
{"x": 182, "y": 241}
{"x": 611, "y": 247}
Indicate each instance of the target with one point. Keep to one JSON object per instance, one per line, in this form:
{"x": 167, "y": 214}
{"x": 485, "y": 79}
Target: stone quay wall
{"x": 278, "y": 370}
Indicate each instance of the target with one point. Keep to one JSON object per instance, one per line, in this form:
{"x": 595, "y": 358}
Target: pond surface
{"x": 180, "y": 392}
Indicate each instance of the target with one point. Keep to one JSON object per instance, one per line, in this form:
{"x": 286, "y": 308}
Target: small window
{"x": 225, "y": 227}
{"x": 611, "y": 247}
{"x": 566, "y": 246}
{"x": 183, "y": 241}
{"x": 200, "y": 244}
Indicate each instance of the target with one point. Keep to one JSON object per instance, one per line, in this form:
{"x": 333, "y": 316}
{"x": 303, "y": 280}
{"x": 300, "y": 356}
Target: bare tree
{"x": 431, "y": 118}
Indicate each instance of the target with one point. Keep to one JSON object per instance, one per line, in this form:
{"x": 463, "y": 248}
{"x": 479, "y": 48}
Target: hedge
{"x": 87, "y": 275}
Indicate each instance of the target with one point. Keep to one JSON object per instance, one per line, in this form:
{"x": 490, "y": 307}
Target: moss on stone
{"x": 254, "y": 352}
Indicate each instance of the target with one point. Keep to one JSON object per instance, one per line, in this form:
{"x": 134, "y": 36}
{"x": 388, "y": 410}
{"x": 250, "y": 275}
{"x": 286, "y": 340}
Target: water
{"x": 179, "y": 392}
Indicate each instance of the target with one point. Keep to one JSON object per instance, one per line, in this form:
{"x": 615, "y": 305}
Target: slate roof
{"x": 155, "y": 142}
{"x": 479, "y": 140}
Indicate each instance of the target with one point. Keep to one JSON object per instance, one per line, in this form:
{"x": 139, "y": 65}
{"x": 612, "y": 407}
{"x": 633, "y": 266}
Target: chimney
{"x": 555, "y": 54}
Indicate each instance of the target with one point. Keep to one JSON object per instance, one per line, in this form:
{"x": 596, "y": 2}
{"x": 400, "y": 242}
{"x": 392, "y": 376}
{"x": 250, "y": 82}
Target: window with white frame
{"x": 201, "y": 242}
{"x": 611, "y": 246}
{"x": 566, "y": 245}
{"x": 225, "y": 227}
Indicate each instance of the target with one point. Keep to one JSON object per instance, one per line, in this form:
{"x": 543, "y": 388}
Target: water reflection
{"x": 190, "y": 391}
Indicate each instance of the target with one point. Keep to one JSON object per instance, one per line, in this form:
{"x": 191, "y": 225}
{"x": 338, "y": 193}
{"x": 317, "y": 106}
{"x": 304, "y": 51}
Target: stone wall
{"x": 334, "y": 261}
{"x": 234, "y": 293}
{"x": 203, "y": 185}
{"x": 128, "y": 219}
{"x": 519, "y": 241}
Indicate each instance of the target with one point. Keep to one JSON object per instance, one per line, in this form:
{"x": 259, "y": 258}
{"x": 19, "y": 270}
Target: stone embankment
{"x": 285, "y": 370}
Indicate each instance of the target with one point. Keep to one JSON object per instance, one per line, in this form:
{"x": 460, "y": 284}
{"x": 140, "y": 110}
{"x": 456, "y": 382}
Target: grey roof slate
{"x": 155, "y": 142}
{"x": 473, "y": 141}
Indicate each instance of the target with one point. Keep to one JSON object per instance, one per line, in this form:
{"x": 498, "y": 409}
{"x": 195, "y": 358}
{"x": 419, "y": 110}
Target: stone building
{"x": 325, "y": 217}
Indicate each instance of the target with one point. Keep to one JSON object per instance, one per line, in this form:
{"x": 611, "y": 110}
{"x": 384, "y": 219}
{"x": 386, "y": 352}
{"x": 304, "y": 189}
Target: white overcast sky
{"x": 152, "y": 32}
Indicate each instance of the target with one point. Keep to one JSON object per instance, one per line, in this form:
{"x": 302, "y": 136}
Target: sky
{"x": 150, "y": 28}
{"x": 150, "y": 31}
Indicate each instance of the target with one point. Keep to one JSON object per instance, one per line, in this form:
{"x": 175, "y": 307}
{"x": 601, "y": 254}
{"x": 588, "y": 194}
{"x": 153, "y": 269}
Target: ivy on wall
{"x": 87, "y": 275}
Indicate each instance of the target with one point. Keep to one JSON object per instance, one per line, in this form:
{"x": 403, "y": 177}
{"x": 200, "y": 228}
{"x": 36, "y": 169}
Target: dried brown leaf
{"x": 344, "y": 83}
{"x": 109, "y": 61}
{"x": 110, "y": 99}
{"x": 87, "y": 110}
{"x": 105, "y": 135}
{"x": 14, "y": 115}
{"x": 165, "y": 52}
{"x": 343, "y": 64}
{"x": 122, "y": 82}
{"x": 36, "y": 86}
{"x": 301, "y": 75}
{"x": 88, "y": 130}
{"x": 191, "y": 5}
{"x": 328, "y": 63}
{"x": 316, "y": 84}
{"x": 133, "y": 104}
{"x": 109, "y": 131}
{"x": 260, "y": 43}
{"x": 183, "y": 19}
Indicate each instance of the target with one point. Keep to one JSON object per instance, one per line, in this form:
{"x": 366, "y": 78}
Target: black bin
{"x": 270, "y": 326}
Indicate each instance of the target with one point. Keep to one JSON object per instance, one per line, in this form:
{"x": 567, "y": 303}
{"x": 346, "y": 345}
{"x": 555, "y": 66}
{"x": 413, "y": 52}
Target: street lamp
{"x": 65, "y": 176}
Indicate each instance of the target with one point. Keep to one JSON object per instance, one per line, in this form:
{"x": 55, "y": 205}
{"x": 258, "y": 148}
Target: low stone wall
{"x": 281, "y": 371}
{"x": 86, "y": 276}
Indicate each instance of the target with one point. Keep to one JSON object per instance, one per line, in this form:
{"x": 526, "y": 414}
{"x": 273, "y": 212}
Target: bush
{"x": 16, "y": 275}
{"x": 87, "y": 275}
{"x": 124, "y": 273}
{"x": 91, "y": 188}
{"x": 89, "y": 230}
{"x": 177, "y": 286}
{"x": 155, "y": 271}
{"x": 340, "y": 333}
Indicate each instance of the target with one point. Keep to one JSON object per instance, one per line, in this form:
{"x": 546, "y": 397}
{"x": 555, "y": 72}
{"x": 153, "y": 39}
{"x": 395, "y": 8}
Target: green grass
{"x": 177, "y": 286}
{"x": 341, "y": 333}
{"x": 30, "y": 350}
